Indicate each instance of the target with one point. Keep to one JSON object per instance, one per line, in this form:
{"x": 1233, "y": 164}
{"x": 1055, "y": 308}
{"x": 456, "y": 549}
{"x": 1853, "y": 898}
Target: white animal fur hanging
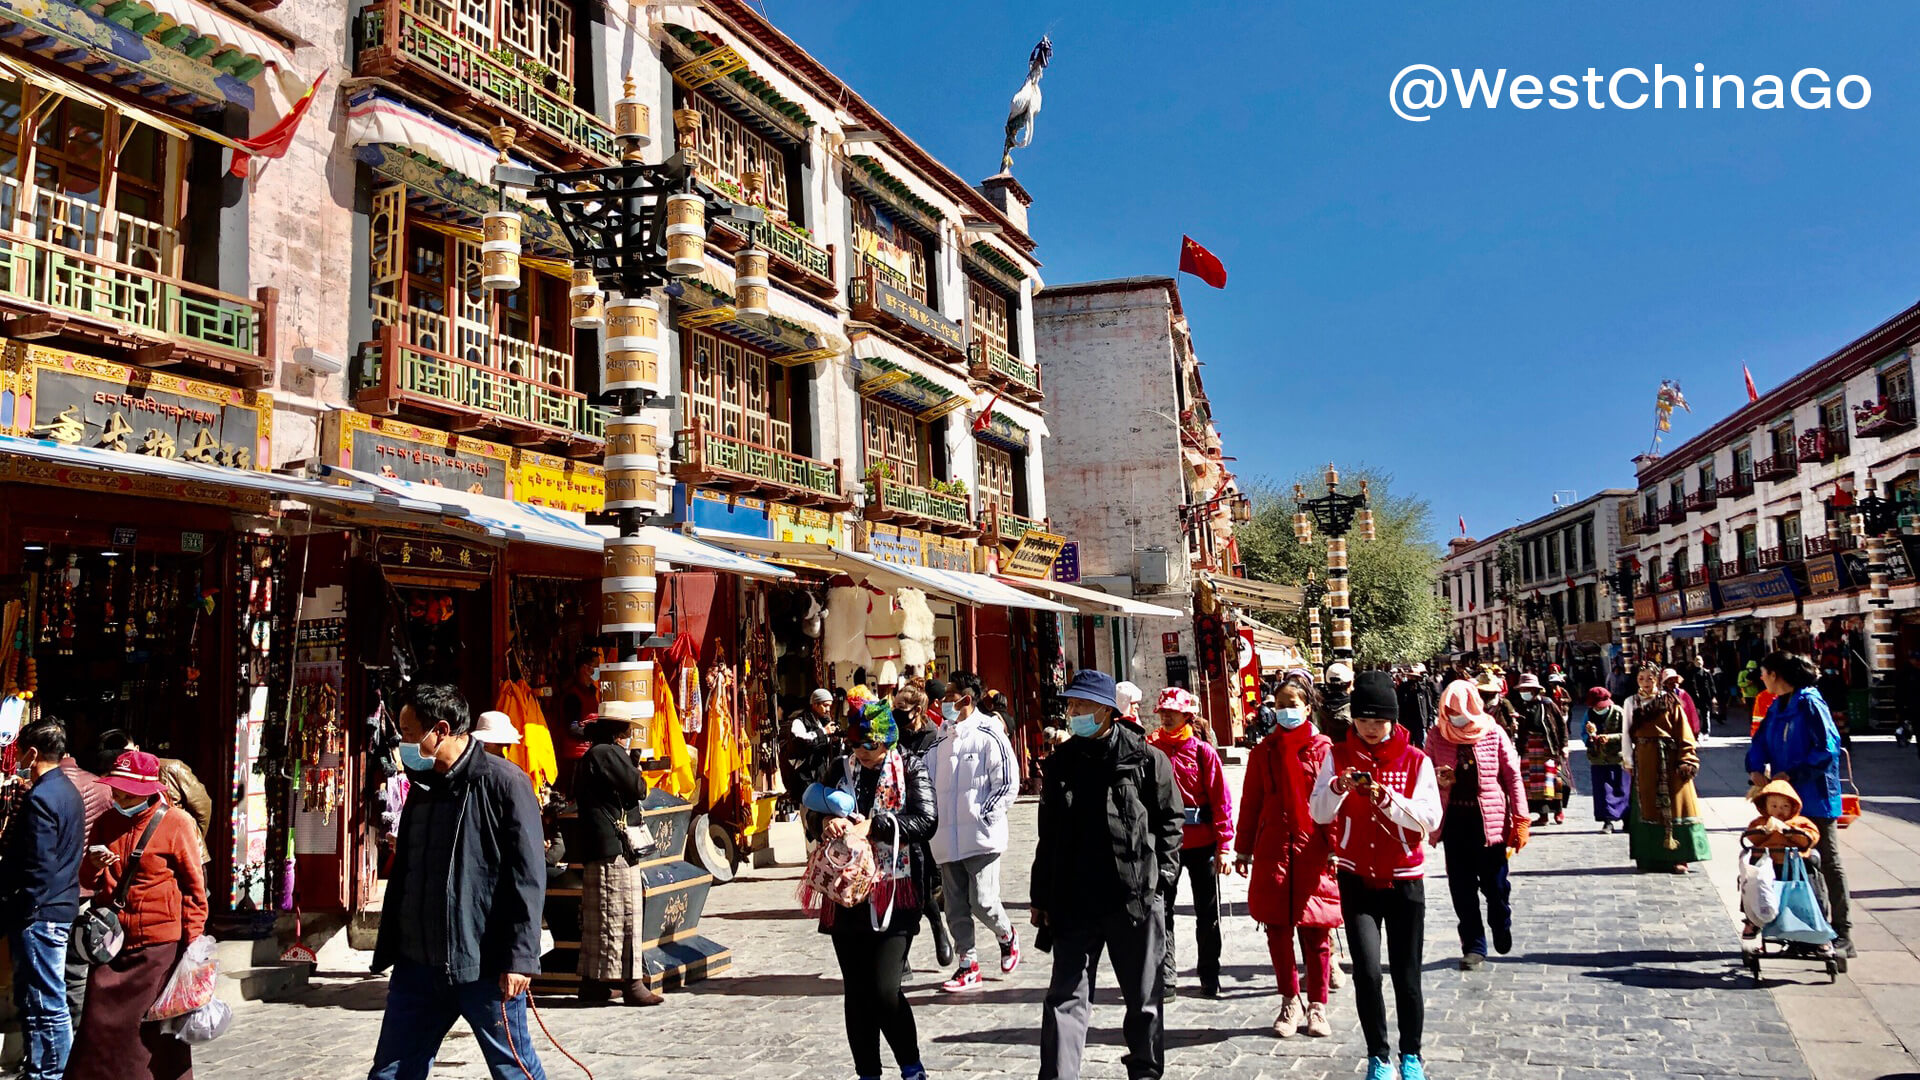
{"x": 916, "y": 631}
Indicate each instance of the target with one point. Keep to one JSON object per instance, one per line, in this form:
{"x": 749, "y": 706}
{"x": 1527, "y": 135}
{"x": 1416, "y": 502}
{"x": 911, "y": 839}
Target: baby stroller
{"x": 1790, "y": 913}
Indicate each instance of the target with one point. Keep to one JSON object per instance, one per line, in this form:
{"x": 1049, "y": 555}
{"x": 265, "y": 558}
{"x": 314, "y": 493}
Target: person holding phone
{"x": 1379, "y": 793}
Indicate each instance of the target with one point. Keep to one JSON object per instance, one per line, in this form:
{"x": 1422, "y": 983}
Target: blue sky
{"x": 1482, "y": 304}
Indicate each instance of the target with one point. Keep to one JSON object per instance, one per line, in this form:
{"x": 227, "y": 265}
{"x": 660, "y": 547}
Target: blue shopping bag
{"x": 1800, "y": 918}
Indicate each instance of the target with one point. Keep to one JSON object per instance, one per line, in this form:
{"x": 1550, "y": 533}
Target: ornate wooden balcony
{"x": 1703, "y": 499}
{"x": 1670, "y": 514}
{"x": 1004, "y": 526}
{"x": 70, "y": 268}
{"x": 421, "y": 43}
{"x": 501, "y": 386}
{"x": 1789, "y": 552}
{"x": 1777, "y": 467}
{"x": 1638, "y": 524}
{"x": 797, "y": 259}
{"x": 711, "y": 459}
{"x": 1821, "y": 445}
{"x": 1739, "y": 485}
{"x": 1826, "y": 545}
{"x": 882, "y": 301}
{"x": 922, "y": 508}
{"x": 1883, "y": 419}
{"x": 1003, "y": 369}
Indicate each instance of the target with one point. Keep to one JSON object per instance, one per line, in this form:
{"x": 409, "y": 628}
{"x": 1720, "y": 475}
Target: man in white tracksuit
{"x": 975, "y": 778}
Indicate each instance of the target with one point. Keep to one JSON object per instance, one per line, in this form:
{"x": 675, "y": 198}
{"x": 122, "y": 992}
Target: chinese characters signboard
{"x": 433, "y": 555}
{"x": 946, "y": 553}
{"x": 405, "y": 452}
{"x": 81, "y": 401}
{"x": 1035, "y": 555}
{"x": 897, "y": 303}
{"x": 1066, "y": 567}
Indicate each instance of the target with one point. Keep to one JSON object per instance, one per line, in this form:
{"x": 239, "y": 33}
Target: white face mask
{"x": 1527, "y": 696}
{"x": 1293, "y": 717}
{"x": 1460, "y": 719}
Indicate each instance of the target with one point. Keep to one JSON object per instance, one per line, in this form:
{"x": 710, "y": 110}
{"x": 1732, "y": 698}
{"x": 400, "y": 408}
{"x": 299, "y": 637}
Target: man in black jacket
{"x": 461, "y": 924}
{"x": 43, "y": 897}
{"x": 1110, "y": 827}
{"x": 1418, "y": 702}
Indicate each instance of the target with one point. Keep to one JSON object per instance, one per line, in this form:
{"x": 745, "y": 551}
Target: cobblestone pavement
{"x": 1614, "y": 975}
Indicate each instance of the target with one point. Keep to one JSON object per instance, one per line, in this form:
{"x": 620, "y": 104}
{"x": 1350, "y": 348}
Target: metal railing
{"x": 1005, "y": 524}
{"x": 1782, "y": 466}
{"x": 706, "y": 451}
{"x": 414, "y": 357}
{"x": 1735, "y": 486}
{"x": 1891, "y": 415}
{"x": 1703, "y": 499}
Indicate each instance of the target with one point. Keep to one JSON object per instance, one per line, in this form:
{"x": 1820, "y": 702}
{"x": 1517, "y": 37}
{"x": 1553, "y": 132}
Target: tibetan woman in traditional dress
{"x": 1665, "y": 831}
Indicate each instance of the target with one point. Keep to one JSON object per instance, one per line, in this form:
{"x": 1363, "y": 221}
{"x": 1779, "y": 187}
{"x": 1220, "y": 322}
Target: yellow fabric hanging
{"x": 717, "y": 758}
{"x": 665, "y": 742}
{"x": 534, "y": 752}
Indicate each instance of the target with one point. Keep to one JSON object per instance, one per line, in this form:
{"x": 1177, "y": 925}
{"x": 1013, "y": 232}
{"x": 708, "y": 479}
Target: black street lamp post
{"x": 1336, "y": 514}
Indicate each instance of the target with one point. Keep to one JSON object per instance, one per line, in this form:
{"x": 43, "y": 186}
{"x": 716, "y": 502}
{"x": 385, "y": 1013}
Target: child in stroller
{"x": 1780, "y": 833}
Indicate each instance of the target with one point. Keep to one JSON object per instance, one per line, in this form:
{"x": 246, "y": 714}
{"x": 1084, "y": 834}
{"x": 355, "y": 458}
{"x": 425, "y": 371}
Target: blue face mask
{"x": 1293, "y": 717}
{"x": 412, "y": 759}
{"x": 1084, "y": 725}
{"x": 949, "y": 711}
{"x": 132, "y": 811}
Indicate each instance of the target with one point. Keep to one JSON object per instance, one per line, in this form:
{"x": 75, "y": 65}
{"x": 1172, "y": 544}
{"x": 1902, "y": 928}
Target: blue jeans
{"x": 421, "y": 1009}
{"x": 40, "y": 992}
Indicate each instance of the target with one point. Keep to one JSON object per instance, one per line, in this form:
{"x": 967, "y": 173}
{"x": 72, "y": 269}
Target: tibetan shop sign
{"x": 945, "y": 553}
{"x": 1644, "y": 610}
{"x": 722, "y": 511}
{"x": 799, "y": 524}
{"x": 1833, "y": 571}
{"x": 1066, "y": 568}
{"x": 556, "y": 483}
{"x": 400, "y": 451}
{"x": 1698, "y": 598}
{"x": 1668, "y": 604}
{"x": 80, "y": 401}
{"x": 901, "y": 547}
{"x": 1761, "y": 588}
{"x": 1035, "y": 555}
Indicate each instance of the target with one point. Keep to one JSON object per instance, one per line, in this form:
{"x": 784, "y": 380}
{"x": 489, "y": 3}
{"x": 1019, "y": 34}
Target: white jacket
{"x": 975, "y": 777}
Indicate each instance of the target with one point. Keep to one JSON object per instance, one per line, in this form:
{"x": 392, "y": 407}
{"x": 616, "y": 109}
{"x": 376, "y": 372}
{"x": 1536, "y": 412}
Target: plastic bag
{"x": 1800, "y": 918}
{"x": 204, "y": 1024}
{"x": 191, "y": 985}
{"x": 1759, "y": 892}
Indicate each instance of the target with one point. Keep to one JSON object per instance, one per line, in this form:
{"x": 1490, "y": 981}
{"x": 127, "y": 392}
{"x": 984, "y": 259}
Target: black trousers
{"x": 870, "y": 966}
{"x": 1136, "y": 948}
{"x": 1397, "y": 913}
{"x": 1197, "y": 864}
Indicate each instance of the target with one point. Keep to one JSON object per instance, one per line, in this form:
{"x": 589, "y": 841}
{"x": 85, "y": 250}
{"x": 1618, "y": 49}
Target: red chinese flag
{"x": 1202, "y": 263}
{"x": 985, "y": 419}
{"x": 1753, "y": 395}
{"x": 274, "y": 141}
{"x": 1463, "y": 524}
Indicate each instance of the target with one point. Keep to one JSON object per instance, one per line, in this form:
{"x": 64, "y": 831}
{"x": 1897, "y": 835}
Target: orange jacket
{"x": 1784, "y": 839}
{"x": 167, "y": 900}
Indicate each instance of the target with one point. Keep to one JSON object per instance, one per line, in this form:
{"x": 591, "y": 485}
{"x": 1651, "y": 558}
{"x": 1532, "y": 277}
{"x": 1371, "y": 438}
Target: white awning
{"x": 503, "y": 517}
{"x": 222, "y": 28}
{"x": 679, "y": 549}
{"x": 1247, "y": 592}
{"x": 1093, "y": 600}
{"x": 377, "y": 120}
{"x": 984, "y": 591}
{"x": 975, "y": 589}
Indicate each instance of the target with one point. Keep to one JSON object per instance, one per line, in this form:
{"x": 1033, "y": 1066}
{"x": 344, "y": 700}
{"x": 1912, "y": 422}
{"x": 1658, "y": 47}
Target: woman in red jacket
{"x": 1287, "y": 855}
{"x": 166, "y": 908}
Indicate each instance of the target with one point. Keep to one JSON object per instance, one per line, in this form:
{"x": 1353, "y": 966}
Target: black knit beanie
{"x": 1373, "y": 697}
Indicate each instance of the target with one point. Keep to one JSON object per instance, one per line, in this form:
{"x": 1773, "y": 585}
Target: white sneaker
{"x": 1317, "y": 1025}
{"x": 1335, "y": 977}
{"x": 1287, "y": 1024}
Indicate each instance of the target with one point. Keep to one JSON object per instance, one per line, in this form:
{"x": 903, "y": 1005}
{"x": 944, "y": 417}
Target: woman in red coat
{"x": 1292, "y": 888}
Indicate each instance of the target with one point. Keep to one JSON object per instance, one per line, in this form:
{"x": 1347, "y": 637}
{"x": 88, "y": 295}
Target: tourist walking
{"x": 1418, "y": 703}
{"x": 42, "y": 896}
{"x": 1207, "y": 838}
{"x": 608, "y": 788}
{"x": 1333, "y": 715}
{"x": 913, "y": 714}
{"x": 1110, "y": 834}
{"x": 1541, "y": 727}
{"x": 147, "y": 856}
{"x": 1672, "y": 683}
{"x": 876, "y": 794}
{"x": 1483, "y": 818}
{"x": 1378, "y": 792}
{"x": 1492, "y": 689}
{"x": 183, "y": 789}
{"x": 461, "y": 924}
{"x": 1606, "y": 759}
{"x": 1798, "y": 740}
{"x": 1664, "y": 827}
{"x": 1286, "y": 855}
{"x": 975, "y": 778}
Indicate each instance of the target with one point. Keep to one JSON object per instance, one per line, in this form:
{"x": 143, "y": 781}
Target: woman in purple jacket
{"x": 1483, "y": 817}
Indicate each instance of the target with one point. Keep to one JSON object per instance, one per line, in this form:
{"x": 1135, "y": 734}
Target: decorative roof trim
{"x": 895, "y": 190}
{"x": 750, "y": 84}
{"x": 996, "y": 263}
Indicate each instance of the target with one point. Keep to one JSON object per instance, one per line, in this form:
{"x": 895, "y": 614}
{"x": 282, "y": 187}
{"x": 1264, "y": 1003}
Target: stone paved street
{"x": 1614, "y": 974}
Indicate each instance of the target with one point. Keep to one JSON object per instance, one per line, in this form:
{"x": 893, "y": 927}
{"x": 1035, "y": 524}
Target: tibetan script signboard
{"x": 405, "y": 452}
{"x": 81, "y": 401}
{"x": 1035, "y": 555}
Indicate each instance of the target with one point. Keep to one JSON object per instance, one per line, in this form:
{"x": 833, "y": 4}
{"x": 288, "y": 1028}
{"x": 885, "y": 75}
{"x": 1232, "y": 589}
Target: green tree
{"x": 1397, "y": 613}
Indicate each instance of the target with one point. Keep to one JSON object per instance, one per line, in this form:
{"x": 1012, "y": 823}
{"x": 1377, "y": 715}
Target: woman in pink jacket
{"x": 1483, "y": 818}
{"x": 1288, "y": 856}
{"x": 1208, "y": 835}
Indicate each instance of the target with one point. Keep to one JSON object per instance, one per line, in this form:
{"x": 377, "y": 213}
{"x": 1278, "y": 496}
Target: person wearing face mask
{"x": 805, "y": 748}
{"x": 1334, "y": 713}
{"x": 1378, "y": 792}
{"x": 42, "y": 896}
{"x": 1110, "y": 831}
{"x": 880, "y": 795}
{"x": 184, "y": 789}
{"x": 157, "y": 847}
{"x": 1285, "y": 854}
{"x": 918, "y": 733}
{"x": 1208, "y": 837}
{"x": 975, "y": 778}
{"x": 1606, "y": 729}
{"x": 465, "y": 892}
{"x": 1264, "y": 721}
{"x": 1483, "y": 818}
{"x": 1542, "y": 740}
{"x": 1493, "y": 699}
{"x": 1418, "y": 699}
{"x": 608, "y": 788}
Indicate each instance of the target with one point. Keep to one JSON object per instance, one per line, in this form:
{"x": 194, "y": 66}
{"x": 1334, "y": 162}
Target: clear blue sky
{"x": 1482, "y": 304}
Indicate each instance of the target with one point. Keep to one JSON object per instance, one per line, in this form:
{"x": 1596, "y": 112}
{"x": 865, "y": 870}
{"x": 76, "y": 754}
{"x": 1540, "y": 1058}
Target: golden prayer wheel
{"x": 626, "y": 605}
{"x": 1336, "y": 553}
{"x": 632, "y": 119}
{"x": 632, "y": 371}
{"x": 629, "y": 681}
{"x": 628, "y": 557}
{"x": 500, "y": 265}
{"x": 633, "y": 345}
{"x": 588, "y": 305}
{"x": 633, "y": 489}
{"x": 631, "y": 437}
{"x": 501, "y": 226}
{"x": 686, "y": 234}
{"x": 750, "y": 283}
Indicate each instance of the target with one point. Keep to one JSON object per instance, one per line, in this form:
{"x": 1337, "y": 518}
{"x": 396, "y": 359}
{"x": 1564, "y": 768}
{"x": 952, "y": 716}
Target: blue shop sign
{"x": 1668, "y": 604}
{"x": 722, "y": 512}
{"x": 1760, "y": 588}
{"x": 1698, "y": 599}
{"x": 1066, "y": 567}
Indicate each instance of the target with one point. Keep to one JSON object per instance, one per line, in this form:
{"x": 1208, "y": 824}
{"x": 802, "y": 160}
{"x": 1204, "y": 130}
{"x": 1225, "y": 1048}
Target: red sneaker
{"x": 967, "y": 977}
{"x": 1010, "y": 953}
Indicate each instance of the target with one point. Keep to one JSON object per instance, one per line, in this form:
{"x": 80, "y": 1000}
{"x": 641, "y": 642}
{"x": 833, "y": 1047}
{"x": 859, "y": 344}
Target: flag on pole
{"x": 985, "y": 419}
{"x": 1202, "y": 263}
{"x": 273, "y": 142}
{"x": 1753, "y": 395}
{"x": 1463, "y": 524}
